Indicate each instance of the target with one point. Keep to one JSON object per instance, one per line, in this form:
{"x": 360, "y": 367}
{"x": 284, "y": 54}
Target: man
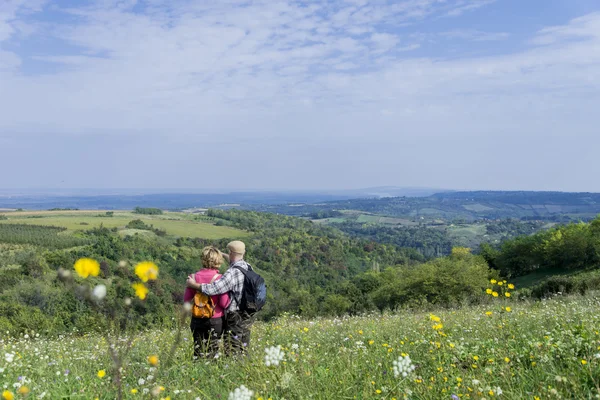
{"x": 237, "y": 322}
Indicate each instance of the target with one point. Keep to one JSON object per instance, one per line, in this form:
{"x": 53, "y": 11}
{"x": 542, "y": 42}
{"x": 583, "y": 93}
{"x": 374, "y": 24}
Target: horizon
{"x": 287, "y": 95}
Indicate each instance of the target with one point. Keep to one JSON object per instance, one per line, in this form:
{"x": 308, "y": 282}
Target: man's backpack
{"x": 204, "y": 306}
{"x": 254, "y": 294}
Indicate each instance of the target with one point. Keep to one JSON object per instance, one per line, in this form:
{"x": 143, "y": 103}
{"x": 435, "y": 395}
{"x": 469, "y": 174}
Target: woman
{"x": 208, "y": 331}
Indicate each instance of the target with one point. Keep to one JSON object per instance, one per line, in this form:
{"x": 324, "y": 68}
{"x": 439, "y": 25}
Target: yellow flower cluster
{"x": 86, "y": 267}
{"x": 146, "y": 271}
{"x": 501, "y": 288}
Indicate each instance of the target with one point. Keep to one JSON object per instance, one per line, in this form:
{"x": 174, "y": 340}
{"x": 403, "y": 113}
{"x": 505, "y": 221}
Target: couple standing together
{"x": 228, "y": 321}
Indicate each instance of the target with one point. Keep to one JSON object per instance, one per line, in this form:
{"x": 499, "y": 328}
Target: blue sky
{"x": 461, "y": 94}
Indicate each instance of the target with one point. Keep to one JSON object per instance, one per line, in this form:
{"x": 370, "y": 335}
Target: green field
{"x": 467, "y": 235}
{"x": 176, "y": 224}
{"x": 539, "y": 350}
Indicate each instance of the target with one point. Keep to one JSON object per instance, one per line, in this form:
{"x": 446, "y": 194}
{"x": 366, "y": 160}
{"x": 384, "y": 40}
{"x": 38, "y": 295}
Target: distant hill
{"x": 470, "y": 206}
{"x": 125, "y": 199}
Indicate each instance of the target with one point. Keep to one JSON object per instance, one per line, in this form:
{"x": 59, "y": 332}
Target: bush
{"x": 445, "y": 281}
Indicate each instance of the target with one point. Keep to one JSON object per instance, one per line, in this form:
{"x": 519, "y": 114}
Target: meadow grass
{"x": 177, "y": 224}
{"x": 538, "y": 350}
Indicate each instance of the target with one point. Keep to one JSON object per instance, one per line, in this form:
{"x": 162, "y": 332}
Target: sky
{"x": 282, "y": 94}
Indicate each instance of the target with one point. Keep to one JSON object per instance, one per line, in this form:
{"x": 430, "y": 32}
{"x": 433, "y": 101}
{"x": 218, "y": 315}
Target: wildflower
{"x": 488, "y": 291}
{"x": 371, "y": 341}
{"x": 99, "y": 292}
{"x": 495, "y": 294}
{"x": 488, "y": 313}
{"x": 24, "y": 390}
{"x": 146, "y": 270}
{"x": 140, "y": 290}
{"x": 134, "y": 391}
{"x": 583, "y": 362}
{"x": 305, "y": 329}
{"x": 274, "y": 356}
{"x": 506, "y": 359}
{"x": 434, "y": 318}
{"x": 476, "y": 358}
{"x": 403, "y": 366}
{"x": 437, "y": 327}
{"x": 511, "y": 286}
{"x": 508, "y": 309}
{"x": 153, "y": 360}
{"x": 507, "y": 294}
{"x": 378, "y": 391}
{"x": 9, "y": 357}
{"x": 493, "y": 281}
{"x": 101, "y": 373}
{"x": 241, "y": 393}
{"x": 86, "y": 267}
{"x": 6, "y": 395}
{"x": 500, "y": 283}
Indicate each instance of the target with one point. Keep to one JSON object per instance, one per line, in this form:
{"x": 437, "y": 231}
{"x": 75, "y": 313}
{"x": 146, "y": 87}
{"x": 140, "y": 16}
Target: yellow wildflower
{"x": 101, "y": 373}
{"x": 437, "y": 327}
{"x": 24, "y": 390}
{"x": 511, "y": 286}
{"x": 507, "y": 294}
{"x": 146, "y": 270}
{"x": 500, "y": 283}
{"x": 493, "y": 281}
{"x": 305, "y": 329}
{"x": 488, "y": 313}
{"x": 508, "y": 309}
{"x": 134, "y": 391}
{"x": 378, "y": 391}
{"x": 506, "y": 359}
{"x": 6, "y": 395}
{"x": 583, "y": 362}
{"x": 153, "y": 360}
{"x": 488, "y": 291}
{"x": 434, "y": 318}
{"x": 495, "y": 294}
{"x": 86, "y": 267}
{"x": 140, "y": 290}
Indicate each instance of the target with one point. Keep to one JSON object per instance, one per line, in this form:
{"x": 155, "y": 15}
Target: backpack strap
{"x": 214, "y": 278}
{"x": 242, "y": 270}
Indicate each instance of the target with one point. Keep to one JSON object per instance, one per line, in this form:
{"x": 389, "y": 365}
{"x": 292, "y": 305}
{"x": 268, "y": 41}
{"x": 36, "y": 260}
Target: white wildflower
{"x": 99, "y": 292}
{"x": 274, "y": 355}
{"x": 241, "y": 393}
{"x": 403, "y": 366}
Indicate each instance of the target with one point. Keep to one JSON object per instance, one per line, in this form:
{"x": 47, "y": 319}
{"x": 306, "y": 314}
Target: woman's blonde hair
{"x": 211, "y": 257}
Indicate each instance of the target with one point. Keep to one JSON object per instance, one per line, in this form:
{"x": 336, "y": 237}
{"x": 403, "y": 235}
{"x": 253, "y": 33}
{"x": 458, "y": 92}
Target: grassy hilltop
{"x": 177, "y": 224}
{"x": 547, "y": 350}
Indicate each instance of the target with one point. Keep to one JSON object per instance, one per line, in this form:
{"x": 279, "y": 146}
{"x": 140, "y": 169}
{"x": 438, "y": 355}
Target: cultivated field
{"x": 177, "y": 224}
{"x": 506, "y": 349}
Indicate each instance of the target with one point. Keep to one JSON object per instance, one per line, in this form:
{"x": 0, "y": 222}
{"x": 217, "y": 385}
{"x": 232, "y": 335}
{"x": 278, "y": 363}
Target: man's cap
{"x": 237, "y": 247}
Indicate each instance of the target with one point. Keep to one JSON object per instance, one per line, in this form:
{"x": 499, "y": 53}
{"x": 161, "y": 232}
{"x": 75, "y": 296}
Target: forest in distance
{"x": 312, "y": 269}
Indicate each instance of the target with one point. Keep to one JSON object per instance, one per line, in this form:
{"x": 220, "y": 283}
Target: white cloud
{"x": 276, "y": 71}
